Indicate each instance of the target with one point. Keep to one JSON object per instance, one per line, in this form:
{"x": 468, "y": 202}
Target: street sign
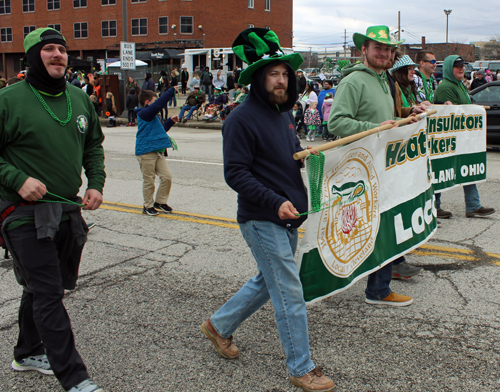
{"x": 127, "y": 55}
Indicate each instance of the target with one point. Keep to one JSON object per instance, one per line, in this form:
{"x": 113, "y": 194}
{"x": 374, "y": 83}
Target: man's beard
{"x": 278, "y": 99}
{"x": 374, "y": 63}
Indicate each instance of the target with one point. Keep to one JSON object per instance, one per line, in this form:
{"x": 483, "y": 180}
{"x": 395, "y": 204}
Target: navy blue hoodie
{"x": 259, "y": 141}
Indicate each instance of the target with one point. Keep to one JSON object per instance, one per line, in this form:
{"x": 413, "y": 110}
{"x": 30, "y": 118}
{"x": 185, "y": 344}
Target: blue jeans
{"x": 273, "y": 248}
{"x": 471, "y": 196}
{"x": 172, "y": 100}
{"x": 378, "y": 284}
{"x": 184, "y": 108}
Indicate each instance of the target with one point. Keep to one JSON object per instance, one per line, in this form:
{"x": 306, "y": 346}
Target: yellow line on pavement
{"x": 175, "y": 212}
{"x": 170, "y": 216}
{"x": 424, "y": 250}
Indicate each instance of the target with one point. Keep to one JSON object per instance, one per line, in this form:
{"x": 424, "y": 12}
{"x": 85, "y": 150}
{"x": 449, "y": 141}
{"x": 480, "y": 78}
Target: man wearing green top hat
{"x": 41, "y": 159}
{"x": 363, "y": 101}
{"x": 452, "y": 89}
{"x": 258, "y": 144}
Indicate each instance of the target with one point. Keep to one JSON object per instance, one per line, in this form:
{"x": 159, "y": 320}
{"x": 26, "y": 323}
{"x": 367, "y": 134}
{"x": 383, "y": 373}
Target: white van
{"x": 492, "y": 65}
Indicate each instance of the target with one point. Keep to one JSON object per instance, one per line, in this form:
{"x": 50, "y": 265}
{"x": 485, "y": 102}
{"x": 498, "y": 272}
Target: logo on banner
{"x": 348, "y": 229}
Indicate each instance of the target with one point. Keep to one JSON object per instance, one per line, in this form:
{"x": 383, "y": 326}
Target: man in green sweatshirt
{"x": 363, "y": 101}
{"x": 49, "y": 130}
{"x": 452, "y": 89}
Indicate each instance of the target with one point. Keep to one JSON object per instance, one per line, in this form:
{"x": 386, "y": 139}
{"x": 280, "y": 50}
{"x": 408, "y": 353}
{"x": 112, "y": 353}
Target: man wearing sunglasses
{"x": 426, "y": 84}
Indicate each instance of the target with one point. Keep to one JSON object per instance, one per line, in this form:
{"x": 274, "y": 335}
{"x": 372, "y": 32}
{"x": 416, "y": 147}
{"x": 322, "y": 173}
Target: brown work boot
{"x": 225, "y": 346}
{"x": 314, "y": 381}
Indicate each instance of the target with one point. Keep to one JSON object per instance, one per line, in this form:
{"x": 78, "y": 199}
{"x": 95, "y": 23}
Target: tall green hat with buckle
{"x": 258, "y": 47}
{"x": 375, "y": 33}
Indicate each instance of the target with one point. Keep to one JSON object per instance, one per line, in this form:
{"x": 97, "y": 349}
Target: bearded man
{"x": 258, "y": 144}
{"x": 41, "y": 160}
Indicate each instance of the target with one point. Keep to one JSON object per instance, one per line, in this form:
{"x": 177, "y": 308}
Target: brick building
{"x": 93, "y": 28}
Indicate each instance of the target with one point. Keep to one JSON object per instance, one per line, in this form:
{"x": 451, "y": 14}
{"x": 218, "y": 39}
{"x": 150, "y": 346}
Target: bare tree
{"x": 491, "y": 50}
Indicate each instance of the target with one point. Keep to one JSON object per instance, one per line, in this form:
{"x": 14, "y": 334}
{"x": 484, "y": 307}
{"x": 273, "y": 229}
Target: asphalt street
{"x": 147, "y": 283}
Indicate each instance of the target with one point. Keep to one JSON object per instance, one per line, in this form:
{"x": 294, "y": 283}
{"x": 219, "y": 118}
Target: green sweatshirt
{"x": 451, "y": 89}
{"x": 33, "y": 144}
{"x": 362, "y": 101}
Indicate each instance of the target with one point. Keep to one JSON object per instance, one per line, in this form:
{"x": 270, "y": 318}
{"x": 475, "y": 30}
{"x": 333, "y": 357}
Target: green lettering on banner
{"x": 415, "y": 216}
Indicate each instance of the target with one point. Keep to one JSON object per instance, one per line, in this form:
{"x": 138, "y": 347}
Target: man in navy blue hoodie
{"x": 258, "y": 144}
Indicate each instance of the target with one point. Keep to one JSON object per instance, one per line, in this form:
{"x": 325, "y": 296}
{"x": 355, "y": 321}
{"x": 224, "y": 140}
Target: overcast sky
{"x": 320, "y": 24}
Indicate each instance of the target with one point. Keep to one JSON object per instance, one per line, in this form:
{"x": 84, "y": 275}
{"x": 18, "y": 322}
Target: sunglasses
{"x": 430, "y": 61}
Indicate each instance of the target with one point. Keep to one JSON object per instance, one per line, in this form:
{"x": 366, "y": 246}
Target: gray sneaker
{"x": 405, "y": 270}
{"x": 39, "y": 363}
{"x": 86, "y": 386}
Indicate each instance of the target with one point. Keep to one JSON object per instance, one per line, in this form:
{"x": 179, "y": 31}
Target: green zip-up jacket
{"x": 451, "y": 89}
{"x": 33, "y": 144}
{"x": 362, "y": 101}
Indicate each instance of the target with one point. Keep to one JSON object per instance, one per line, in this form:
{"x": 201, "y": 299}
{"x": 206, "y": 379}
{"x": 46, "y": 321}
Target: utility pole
{"x": 399, "y": 25}
{"x": 125, "y": 38}
{"x": 447, "y": 12}
{"x": 310, "y": 55}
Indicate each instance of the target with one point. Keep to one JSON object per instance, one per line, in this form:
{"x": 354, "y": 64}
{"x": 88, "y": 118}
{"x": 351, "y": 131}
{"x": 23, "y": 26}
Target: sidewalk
{"x": 123, "y": 119}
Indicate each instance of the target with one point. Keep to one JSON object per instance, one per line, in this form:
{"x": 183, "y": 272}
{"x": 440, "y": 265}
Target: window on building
{"x": 250, "y": 3}
{"x": 80, "y": 30}
{"x": 163, "y": 25}
{"x": 28, "y": 5}
{"x": 79, "y": 3}
{"x": 6, "y": 34}
{"x": 5, "y": 7}
{"x": 251, "y": 26}
{"x": 268, "y": 27}
{"x": 186, "y": 25}
{"x": 140, "y": 26}
{"x": 108, "y": 2}
{"x": 139, "y": 1}
{"x": 27, "y": 30}
{"x": 268, "y": 5}
{"x": 53, "y": 5}
{"x": 55, "y": 27}
{"x": 108, "y": 28}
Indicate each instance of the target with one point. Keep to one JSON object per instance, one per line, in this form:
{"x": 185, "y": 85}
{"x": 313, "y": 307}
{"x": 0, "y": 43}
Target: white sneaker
{"x": 312, "y": 139}
{"x": 307, "y": 138}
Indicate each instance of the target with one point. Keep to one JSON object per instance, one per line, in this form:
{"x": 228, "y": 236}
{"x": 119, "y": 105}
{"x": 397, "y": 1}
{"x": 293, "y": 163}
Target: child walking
{"x": 312, "y": 120}
{"x": 151, "y": 146}
{"x": 325, "y": 108}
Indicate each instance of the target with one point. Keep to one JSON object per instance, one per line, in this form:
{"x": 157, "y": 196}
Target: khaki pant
{"x": 154, "y": 163}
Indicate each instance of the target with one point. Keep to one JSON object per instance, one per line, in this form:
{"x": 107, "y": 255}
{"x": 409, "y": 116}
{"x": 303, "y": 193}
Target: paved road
{"x": 147, "y": 283}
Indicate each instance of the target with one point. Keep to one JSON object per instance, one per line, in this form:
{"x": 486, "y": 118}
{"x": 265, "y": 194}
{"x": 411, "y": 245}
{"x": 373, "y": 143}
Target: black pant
{"x": 131, "y": 116}
{"x": 183, "y": 87}
{"x": 42, "y": 315}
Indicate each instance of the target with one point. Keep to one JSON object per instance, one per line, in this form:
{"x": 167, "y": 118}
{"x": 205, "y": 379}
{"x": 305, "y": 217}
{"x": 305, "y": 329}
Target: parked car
{"x": 489, "y": 95}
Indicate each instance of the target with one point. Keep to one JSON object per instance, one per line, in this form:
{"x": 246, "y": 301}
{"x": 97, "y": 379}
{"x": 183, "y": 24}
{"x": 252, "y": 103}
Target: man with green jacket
{"x": 363, "y": 101}
{"x": 452, "y": 89}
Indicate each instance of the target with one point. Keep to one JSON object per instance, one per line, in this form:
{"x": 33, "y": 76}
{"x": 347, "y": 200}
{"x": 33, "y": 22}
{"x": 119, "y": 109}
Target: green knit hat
{"x": 375, "y": 33}
{"x": 258, "y": 47}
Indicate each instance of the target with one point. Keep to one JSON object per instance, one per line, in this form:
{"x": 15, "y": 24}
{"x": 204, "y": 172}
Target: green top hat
{"x": 375, "y": 33}
{"x": 258, "y": 47}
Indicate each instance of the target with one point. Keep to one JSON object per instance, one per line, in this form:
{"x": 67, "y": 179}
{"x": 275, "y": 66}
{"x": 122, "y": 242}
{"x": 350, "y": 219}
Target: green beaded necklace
{"x": 49, "y": 110}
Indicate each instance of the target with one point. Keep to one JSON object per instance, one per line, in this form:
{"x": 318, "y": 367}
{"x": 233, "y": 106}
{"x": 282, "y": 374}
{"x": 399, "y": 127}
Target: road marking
{"x": 200, "y": 162}
{"x": 423, "y": 250}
